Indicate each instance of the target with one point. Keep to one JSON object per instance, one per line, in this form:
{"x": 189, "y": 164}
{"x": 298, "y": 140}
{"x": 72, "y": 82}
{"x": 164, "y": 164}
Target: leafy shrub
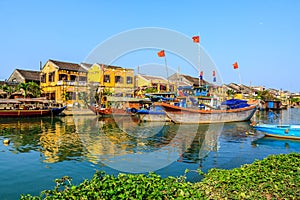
{"x": 275, "y": 177}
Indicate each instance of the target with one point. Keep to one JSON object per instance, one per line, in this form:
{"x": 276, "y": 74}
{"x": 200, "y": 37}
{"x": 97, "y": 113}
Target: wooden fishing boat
{"x": 150, "y": 113}
{"x": 28, "y": 108}
{"x": 114, "y": 106}
{"x": 279, "y": 131}
{"x": 196, "y": 116}
{"x": 154, "y": 114}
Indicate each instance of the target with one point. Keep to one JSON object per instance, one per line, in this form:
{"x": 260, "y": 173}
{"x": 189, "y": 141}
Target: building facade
{"x": 64, "y": 82}
{"x": 157, "y": 83}
{"x": 116, "y": 80}
{"x": 24, "y": 76}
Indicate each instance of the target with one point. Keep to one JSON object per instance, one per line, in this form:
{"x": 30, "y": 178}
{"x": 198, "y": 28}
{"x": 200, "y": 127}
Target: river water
{"x": 44, "y": 149}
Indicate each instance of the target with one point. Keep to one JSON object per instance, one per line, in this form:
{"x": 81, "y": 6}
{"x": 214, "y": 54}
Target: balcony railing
{"x": 73, "y": 83}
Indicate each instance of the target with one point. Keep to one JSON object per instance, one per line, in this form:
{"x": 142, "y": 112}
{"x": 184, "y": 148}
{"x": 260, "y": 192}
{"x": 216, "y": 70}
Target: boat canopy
{"x": 235, "y": 103}
{"x": 159, "y": 97}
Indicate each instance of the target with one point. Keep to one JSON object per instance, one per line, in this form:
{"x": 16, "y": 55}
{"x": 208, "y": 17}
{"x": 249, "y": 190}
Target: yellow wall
{"x": 59, "y": 87}
{"x": 142, "y": 82}
{"x": 96, "y": 75}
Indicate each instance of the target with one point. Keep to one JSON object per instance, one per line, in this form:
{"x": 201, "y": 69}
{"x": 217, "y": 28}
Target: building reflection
{"x": 107, "y": 140}
{"x": 60, "y": 143}
{"x": 113, "y": 140}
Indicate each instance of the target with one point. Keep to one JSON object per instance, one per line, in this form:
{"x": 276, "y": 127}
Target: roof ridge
{"x": 27, "y": 70}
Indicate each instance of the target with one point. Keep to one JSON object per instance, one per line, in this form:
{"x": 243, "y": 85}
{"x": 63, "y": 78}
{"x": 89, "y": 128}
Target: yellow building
{"x": 158, "y": 83}
{"x": 64, "y": 82}
{"x": 118, "y": 80}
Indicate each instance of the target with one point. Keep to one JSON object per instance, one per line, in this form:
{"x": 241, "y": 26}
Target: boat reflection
{"x": 127, "y": 145}
{"x": 277, "y": 143}
{"x": 122, "y": 143}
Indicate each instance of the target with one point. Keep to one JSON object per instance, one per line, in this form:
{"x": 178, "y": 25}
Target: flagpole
{"x": 162, "y": 54}
{"x": 177, "y": 82}
{"x": 196, "y": 39}
{"x": 240, "y": 79}
{"x": 167, "y": 72}
{"x": 137, "y": 77}
{"x": 236, "y": 66}
{"x": 199, "y": 62}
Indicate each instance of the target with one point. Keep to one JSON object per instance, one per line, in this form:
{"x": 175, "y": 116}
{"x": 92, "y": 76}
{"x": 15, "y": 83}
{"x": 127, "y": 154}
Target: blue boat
{"x": 280, "y": 131}
{"x": 58, "y": 110}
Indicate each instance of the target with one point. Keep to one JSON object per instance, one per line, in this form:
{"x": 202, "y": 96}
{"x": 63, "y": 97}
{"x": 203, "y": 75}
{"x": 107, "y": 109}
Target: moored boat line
{"x": 34, "y": 107}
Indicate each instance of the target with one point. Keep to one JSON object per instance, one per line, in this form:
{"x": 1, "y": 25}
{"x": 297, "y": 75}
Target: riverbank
{"x": 275, "y": 177}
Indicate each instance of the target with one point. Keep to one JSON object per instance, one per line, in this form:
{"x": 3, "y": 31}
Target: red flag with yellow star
{"x": 161, "y": 53}
{"x": 196, "y": 39}
{"x": 235, "y": 65}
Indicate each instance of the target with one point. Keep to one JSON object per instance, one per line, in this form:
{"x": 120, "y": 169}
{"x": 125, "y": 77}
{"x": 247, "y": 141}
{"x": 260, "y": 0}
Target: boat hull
{"x": 154, "y": 117}
{"x": 35, "y": 107}
{"x": 57, "y": 111}
{"x": 25, "y": 113}
{"x": 108, "y": 112}
{"x": 194, "y": 116}
{"x": 280, "y": 131}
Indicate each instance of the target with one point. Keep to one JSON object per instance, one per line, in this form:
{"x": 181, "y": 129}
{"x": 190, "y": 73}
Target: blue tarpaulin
{"x": 235, "y": 103}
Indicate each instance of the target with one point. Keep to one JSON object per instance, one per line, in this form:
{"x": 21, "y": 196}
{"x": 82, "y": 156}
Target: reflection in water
{"x": 55, "y": 139}
{"x": 125, "y": 144}
{"x": 288, "y": 116}
{"x": 121, "y": 143}
{"x": 272, "y": 142}
{"x": 43, "y": 149}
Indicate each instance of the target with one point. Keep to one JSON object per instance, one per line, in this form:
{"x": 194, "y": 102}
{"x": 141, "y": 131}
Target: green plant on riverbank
{"x": 276, "y": 177}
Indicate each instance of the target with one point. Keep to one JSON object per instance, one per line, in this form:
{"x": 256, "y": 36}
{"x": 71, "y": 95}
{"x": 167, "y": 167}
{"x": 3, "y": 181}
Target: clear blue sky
{"x": 262, "y": 35}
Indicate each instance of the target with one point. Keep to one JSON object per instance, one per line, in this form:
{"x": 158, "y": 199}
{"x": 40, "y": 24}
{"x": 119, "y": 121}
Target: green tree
{"x": 295, "y": 100}
{"x": 150, "y": 90}
{"x": 30, "y": 87}
{"x": 8, "y": 89}
{"x": 265, "y": 95}
{"x": 230, "y": 93}
{"x": 23, "y": 87}
{"x": 34, "y": 89}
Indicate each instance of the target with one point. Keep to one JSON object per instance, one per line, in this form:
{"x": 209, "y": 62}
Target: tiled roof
{"x": 194, "y": 80}
{"x": 109, "y": 66}
{"x": 86, "y": 65}
{"x": 29, "y": 75}
{"x": 68, "y": 66}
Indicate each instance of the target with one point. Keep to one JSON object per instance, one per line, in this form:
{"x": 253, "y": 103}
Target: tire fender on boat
{"x": 286, "y": 130}
{"x": 133, "y": 110}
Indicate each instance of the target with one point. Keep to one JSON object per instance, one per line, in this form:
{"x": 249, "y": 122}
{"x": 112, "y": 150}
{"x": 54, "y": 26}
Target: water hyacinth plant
{"x": 275, "y": 177}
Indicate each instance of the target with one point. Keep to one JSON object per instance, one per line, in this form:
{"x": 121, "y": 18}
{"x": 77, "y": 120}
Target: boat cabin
{"x": 24, "y": 104}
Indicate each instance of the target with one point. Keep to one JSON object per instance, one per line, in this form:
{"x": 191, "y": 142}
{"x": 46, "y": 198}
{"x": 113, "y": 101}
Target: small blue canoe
{"x": 280, "y": 131}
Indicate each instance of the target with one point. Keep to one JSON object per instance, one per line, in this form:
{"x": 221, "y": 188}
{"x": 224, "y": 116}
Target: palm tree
{"x": 30, "y": 87}
{"x": 1, "y": 91}
{"x": 265, "y": 95}
{"x": 230, "y": 93}
{"x": 34, "y": 89}
{"x": 8, "y": 89}
{"x": 24, "y": 88}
